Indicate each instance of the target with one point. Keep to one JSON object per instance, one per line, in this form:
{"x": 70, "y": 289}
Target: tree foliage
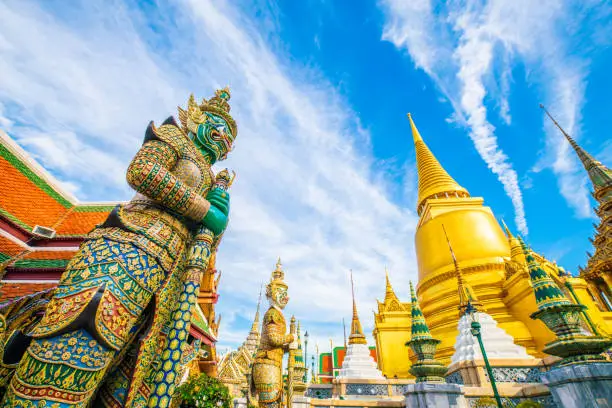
{"x": 204, "y": 392}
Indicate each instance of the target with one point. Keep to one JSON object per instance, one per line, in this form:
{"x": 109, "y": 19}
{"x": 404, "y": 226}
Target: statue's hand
{"x": 220, "y": 199}
{"x": 215, "y": 220}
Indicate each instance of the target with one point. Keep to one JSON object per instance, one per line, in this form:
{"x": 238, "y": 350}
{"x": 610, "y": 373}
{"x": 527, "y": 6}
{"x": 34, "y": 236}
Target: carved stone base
{"x": 240, "y": 403}
{"x": 580, "y": 385}
{"x": 434, "y": 395}
{"x": 301, "y": 402}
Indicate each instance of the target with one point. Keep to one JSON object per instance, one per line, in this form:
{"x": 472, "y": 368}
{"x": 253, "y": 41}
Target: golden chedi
{"x": 480, "y": 245}
{"x": 493, "y": 265}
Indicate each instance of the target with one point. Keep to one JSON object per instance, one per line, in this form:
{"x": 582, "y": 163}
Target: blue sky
{"x": 324, "y": 155}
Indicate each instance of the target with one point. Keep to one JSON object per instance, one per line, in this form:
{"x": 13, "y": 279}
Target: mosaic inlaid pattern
{"x": 546, "y": 401}
{"x": 516, "y": 374}
{"x": 366, "y": 389}
{"x": 399, "y": 389}
{"x": 319, "y": 393}
{"x": 454, "y": 378}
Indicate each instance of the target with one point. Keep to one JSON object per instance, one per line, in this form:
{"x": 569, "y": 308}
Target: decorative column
{"x": 573, "y": 344}
{"x": 430, "y": 390}
{"x": 427, "y": 368}
{"x": 583, "y": 377}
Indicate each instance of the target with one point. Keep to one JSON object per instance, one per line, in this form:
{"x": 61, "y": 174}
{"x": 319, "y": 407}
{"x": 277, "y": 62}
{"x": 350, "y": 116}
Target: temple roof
{"x": 434, "y": 181}
{"x": 30, "y": 196}
{"x": 198, "y": 320}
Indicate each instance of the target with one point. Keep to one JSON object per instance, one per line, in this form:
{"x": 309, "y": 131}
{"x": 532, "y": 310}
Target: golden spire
{"x": 600, "y": 175}
{"x": 255, "y": 325}
{"x": 389, "y": 293}
{"x": 434, "y": 181}
{"x": 516, "y": 251}
{"x": 465, "y": 295}
{"x": 507, "y": 230}
{"x": 356, "y": 336}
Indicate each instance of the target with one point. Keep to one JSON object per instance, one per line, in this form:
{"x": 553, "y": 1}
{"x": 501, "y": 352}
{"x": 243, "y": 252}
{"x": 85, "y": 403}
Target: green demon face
{"x": 214, "y": 137}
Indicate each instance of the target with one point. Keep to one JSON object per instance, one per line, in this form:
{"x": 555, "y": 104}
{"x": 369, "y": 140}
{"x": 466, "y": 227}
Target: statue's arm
{"x": 276, "y": 332}
{"x": 150, "y": 175}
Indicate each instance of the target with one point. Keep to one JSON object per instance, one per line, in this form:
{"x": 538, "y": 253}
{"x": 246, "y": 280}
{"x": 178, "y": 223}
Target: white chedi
{"x": 498, "y": 344}
{"x": 358, "y": 363}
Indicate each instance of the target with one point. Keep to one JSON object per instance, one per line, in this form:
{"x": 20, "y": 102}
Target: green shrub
{"x": 204, "y": 392}
{"x": 485, "y": 402}
{"x": 529, "y": 404}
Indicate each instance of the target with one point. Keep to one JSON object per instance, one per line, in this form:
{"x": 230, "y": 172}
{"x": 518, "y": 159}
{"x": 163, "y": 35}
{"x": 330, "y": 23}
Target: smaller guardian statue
{"x": 266, "y": 378}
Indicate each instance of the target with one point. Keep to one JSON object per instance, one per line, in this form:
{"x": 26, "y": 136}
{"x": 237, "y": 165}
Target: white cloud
{"x": 82, "y": 91}
{"x": 469, "y": 49}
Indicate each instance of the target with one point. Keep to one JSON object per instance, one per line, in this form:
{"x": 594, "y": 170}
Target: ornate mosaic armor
{"x": 119, "y": 319}
{"x": 274, "y": 343}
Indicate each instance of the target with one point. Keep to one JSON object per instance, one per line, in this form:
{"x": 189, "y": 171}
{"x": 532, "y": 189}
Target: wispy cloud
{"x": 81, "y": 90}
{"x": 470, "y": 48}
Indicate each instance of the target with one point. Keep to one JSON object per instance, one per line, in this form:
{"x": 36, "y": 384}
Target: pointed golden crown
{"x": 277, "y": 279}
{"x": 218, "y": 104}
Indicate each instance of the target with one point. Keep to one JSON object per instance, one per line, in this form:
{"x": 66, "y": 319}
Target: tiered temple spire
{"x": 434, "y": 181}
{"x": 356, "y": 336}
{"x": 546, "y": 291}
{"x": 600, "y": 263}
{"x": 419, "y": 328}
{"x": 573, "y": 344}
{"x": 466, "y": 296}
{"x": 600, "y": 175}
{"x": 358, "y": 363}
{"x": 426, "y": 368}
{"x": 389, "y": 292}
{"x": 255, "y": 325}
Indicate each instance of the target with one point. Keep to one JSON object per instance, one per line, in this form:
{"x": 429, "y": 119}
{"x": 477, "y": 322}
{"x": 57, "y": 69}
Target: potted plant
{"x": 204, "y": 392}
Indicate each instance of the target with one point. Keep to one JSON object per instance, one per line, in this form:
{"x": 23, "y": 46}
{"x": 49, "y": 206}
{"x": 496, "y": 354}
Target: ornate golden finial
{"x": 416, "y": 136}
{"x": 255, "y": 326}
{"x": 507, "y": 230}
{"x": 465, "y": 295}
{"x": 356, "y": 336}
{"x": 600, "y": 175}
{"x": 220, "y": 100}
{"x": 434, "y": 181}
{"x": 278, "y": 273}
{"x": 389, "y": 293}
{"x": 195, "y": 114}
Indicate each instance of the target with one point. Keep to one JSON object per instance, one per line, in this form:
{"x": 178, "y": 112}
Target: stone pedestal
{"x": 301, "y": 402}
{"x": 581, "y": 385}
{"x": 434, "y": 395}
{"x": 240, "y": 403}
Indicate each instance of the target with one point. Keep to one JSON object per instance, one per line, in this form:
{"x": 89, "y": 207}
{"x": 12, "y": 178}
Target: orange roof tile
{"x": 9, "y": 247}
{"x": 24, "y": 200}
{"x": 29, "y": 198}
{"x": 80, "y": 222}
{"x": 12, "y": 290}
{"x": 50, "y": 255}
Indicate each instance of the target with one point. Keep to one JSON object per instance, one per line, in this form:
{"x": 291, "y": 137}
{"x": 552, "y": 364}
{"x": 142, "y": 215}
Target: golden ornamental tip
{"x": 434, "y": 181}
{"x": 416, "y": 136}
